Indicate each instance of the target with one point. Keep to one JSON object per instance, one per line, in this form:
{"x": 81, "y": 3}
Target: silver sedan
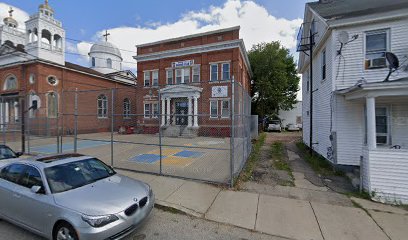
{"x": 72, "y": 196}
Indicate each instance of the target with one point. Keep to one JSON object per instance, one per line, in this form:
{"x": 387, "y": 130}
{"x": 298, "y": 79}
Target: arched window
{"x": 126, "y": 108}
{"x": 102, "y": 106}
{"x": 10, "y": 83}
{"x": 93, "y": 62}
{"x": 52, "y": 104}
{"x": 109, "y": 63}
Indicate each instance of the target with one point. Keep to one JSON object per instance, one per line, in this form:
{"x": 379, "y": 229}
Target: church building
{"x": 33, "y": 66}
{"x": 188, "y": 80}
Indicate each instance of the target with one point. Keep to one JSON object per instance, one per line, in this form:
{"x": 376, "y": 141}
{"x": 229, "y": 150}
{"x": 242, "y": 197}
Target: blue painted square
{"x": 189, "y": 154}
{"x": 146, "y": 158}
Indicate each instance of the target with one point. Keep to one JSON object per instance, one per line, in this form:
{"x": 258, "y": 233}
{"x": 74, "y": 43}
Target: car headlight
{"x": 99, "y": 221}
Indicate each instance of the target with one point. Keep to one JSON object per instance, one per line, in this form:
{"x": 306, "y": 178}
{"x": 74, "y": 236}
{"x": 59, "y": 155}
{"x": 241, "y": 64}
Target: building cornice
{"x": 239, "y": 43}
{"x": 189, "y": 36}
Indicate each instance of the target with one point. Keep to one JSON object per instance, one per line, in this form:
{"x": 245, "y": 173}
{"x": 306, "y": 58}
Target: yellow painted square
{"x": 177, "y": 161}
{"x": 166, "y": 151}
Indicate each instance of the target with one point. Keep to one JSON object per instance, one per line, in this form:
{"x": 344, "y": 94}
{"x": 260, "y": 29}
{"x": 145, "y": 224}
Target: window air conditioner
{"x": 376, "y": 63}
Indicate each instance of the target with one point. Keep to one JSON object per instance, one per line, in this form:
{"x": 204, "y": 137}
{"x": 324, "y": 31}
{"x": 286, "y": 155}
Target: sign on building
{"x": 220, "y": 91}
{"x": 186, "y": 63}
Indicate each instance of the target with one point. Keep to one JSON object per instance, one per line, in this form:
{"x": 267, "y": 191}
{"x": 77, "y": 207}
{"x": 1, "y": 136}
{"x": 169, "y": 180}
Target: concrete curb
{"x": 179, "y": 208}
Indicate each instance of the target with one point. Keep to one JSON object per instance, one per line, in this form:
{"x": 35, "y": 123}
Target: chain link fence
{"x": 199, "y": 131}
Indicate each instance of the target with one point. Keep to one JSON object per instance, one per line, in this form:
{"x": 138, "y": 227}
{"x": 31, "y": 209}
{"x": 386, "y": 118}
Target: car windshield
{"x": 73, "y": 175}
{"x": 274, "y": 122}
{"x": 6, "y": 152}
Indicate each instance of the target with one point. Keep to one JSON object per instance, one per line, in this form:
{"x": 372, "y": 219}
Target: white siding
{"x": 350, "y": 131}
{"x": 388, "y": 171}
{"x": 351, "y": 68}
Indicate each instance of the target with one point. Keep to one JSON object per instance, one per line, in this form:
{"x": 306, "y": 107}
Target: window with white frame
{"x": 214, "y": 72}
{"x": 102, "y": 106}
{"x": 324, "y": 64}
{"x": 155, "y": 107}
{"x": 196, "y": 73}
{"x": 10, "y": 83}
{"x": 126, "y": 108}
{"x": 382, "y": 125}
{"x": 226, "y": 71}
{"x": 169, "y": 76}
{"x": 225, "y": 109}
{"x": 179, "y": 76}
{"x": 93, "y": 62}
{"x": 155, "y": 76}
{"x": 109, "y": 63}
{"x": 214, "y": 109}
{"x": 146, "y": 78}
{"x": 376, "y": 45}
{"x": 147, "y": 110}
{"x": 186, "y": 75}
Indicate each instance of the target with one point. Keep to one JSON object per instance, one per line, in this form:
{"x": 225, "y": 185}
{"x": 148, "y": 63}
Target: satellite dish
{"x": 392, "y": 60}
{"x": 343, "y": 37}
{"x": 393, "y": 64}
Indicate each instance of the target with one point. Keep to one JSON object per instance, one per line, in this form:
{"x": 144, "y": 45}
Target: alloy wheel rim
{"x": 64, "y": 234}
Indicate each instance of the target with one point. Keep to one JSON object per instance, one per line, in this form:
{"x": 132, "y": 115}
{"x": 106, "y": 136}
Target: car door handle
{"x": 16, "y": 195}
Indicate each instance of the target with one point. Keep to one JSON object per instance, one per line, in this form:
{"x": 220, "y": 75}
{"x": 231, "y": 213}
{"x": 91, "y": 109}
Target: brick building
{"x": 187, "y": 81}
{"x": 33, "y": 68}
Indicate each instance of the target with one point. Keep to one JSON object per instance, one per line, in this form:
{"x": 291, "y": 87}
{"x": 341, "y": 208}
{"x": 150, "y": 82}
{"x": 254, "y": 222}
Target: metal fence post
{"x": 76, "y": 121}
{"x": 28, "y": 127}
{"x": 3, "y": 112}
{"x": 112, "y": 121}
{"x": 160, "y": 130}
{"x": 232, "y": 140}
{"x": 61, "y": 131}
{"x": 58, "y": 140}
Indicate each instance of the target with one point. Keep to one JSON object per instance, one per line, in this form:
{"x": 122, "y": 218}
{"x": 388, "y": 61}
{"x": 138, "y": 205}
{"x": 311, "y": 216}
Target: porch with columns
{"x": 173, "y": 119}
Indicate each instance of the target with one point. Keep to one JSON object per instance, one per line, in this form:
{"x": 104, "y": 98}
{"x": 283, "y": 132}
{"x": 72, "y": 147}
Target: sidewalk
{"x": 277, "y": 215}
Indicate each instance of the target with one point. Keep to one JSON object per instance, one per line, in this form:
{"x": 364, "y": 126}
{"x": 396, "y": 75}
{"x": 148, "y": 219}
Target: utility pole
{"x": 311, "y": 42}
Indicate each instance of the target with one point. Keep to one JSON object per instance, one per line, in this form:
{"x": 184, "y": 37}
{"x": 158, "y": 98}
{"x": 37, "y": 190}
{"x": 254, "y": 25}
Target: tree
{"x": 275, "y": 82}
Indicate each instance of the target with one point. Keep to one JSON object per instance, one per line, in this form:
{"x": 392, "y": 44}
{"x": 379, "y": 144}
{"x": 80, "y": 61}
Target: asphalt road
{"x": 162, "y": 225}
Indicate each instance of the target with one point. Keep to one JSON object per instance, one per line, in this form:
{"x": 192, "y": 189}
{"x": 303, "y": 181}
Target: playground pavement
{"x": 292, "y": 216}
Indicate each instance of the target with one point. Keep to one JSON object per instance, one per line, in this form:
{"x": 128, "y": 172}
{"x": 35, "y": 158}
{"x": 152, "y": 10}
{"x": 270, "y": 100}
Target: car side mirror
{"x": 19, "y": 154}
{"x": 37, "y": 189}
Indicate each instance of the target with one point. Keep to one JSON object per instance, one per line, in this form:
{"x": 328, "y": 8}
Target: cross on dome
{"x": 106, "y": 35}
{"x": 11, "y": 12}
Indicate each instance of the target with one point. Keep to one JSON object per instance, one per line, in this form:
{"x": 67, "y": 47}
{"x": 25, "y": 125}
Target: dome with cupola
{"x": 105, "y": 57}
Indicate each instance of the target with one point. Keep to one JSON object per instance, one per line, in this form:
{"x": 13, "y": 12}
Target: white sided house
{"x": 358, "y": 118}
{"x": 292, "y": 116}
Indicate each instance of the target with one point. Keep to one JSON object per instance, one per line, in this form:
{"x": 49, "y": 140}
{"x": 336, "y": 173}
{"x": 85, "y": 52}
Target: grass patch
{"x": 246, "y": 173}
{"x": 317, "y": 162}
{"x": 279, "y": 161}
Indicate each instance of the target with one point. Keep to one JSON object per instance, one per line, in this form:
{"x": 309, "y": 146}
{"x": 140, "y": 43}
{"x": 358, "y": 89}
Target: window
{"x": 196, "y": 74}
{"x": 169, "y": 76}
{"x": 147, "y": 110}
{"x": 13, "y": 172}
{"x": 155, "y": 110}
{"x": 213, "y": 72}
{"x": 102, "y": 106}
{"x": 31, "y": 80}
{"x": 213, "y": 109}
{"x": 52, "y": 105}
{"x": 109, "y": 63}
{"x": 126, "y": 108}
{"x": 382, "y": 125}
{"x": 225, "y": 71}
{"x": 147, "y": 79}
{"x": 225, "y": 109}
{"x": 10, "y": 83}
{"x": 324, "y": 64}
{"x": 31, "y": 178}
{"x": 155, "y": 76}
{"x": 186, "y": 75}
{"x": 93, "y": 62}
{"x": 376, "y": 46}
{"x": 52, "y": 80}
{"x": 178, "y": 76}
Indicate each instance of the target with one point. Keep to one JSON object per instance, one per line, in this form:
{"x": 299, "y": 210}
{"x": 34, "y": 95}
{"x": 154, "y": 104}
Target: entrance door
{"x": 181, "y": 112}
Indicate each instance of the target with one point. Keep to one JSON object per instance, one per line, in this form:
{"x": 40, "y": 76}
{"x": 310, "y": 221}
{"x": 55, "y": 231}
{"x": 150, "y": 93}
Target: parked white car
{"x": 275, "y": 125}
{"x": 292, "y": 127}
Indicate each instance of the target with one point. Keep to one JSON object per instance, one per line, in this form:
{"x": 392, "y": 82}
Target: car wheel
{"x": 64, "y": 231}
